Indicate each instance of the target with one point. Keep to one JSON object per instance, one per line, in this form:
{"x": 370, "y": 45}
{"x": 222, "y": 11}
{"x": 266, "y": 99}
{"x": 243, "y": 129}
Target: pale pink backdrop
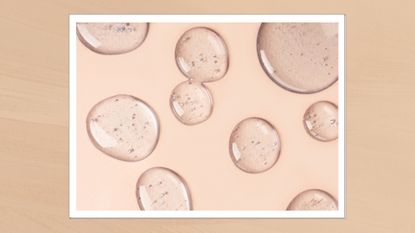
{"x": 200, "y": 153}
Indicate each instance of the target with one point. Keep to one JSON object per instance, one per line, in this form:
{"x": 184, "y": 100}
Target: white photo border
{"x": 74, "y": 19}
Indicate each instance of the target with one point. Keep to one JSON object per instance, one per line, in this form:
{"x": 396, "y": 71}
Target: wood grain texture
{"x": 34, "y": 117}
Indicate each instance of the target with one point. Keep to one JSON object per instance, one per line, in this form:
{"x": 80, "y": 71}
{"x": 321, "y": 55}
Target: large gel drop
{"x": 123, "y": 127}
{"x": 191, "y": 102}
{"x": 300, "y": 57}
{"x": 321, "y": 121}
{"x": 112, "y": 38}
{"x": 202, "y": 55}
{"x": 162, "y": 189}
{"x": 254, "y": 145}
{"x": 313, "y": 199}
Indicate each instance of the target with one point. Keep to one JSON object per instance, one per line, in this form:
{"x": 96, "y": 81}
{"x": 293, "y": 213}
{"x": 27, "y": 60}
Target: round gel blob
{"x": 321, "y": 121}
{"x": 300, "y": 57}
{"x": 191, "y": 102}
{"x": 162, "y": 189}
{"x": 313, "y": 199}
{"x": 123, "y": 127}
{"x": 112, "y": 38}
{"x": 202, "y": 55}
{"x": 254, "y": 145}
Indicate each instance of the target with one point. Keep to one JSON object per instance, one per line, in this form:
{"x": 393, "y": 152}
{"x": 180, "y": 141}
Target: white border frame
{"x": 73, "y": 19}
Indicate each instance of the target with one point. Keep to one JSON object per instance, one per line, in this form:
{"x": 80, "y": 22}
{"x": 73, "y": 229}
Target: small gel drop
{"x": 254, "y": 145}
{"x": 162, "y": 189}
{"x": 321, "y": 121}
{"x": 123, "y": 127}
{"x": 202, "y": 55}
{"x": 191, "y": 102}
{"x": 300, "y": 57}
{"x": 112, "y": 38}
{"x": 313, "y": 199}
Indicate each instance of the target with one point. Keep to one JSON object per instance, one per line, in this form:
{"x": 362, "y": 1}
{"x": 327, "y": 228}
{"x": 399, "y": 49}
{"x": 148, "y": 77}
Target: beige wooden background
{"x": 34, "y": 117}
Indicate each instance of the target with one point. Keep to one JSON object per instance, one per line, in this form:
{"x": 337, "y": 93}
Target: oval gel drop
{"x": 254, "y": 145}
{"x": 300, "y": 57}
{"x": 123, "y": 127}
{"x": 321, "y": 121}
{"x": 112, "y": 38}
{"x": 162, "y": 189}
{"x": 202, "y": 55}
{"x": 313, "y": 199}
{"x": 191, "y": 102}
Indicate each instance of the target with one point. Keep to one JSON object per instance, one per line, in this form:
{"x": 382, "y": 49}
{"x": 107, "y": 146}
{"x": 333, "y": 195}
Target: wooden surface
{"x": 34, "y": 117}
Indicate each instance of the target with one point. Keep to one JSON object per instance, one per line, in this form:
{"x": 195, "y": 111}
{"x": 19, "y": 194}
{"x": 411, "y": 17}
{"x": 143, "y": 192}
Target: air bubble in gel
{"x": 162, "y": 189}
{"x": 123, "y": 127}
{"x": 112, "y": 38}
{"x": 300, "y": 57}
{"x": 202, "y": 55}
{"x": 313, "y": 199}
{"x": 321, "y": 121}
{"x": 254, "y": 145}
{"x": 191, "y": 102}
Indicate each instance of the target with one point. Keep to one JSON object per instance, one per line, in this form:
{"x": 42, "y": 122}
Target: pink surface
{"x": 200, "y": 153}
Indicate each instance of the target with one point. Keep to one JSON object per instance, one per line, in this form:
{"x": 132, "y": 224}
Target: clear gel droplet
{"x": 321, "y": 121}
{"x": 313, "y": 199}
{"x": 191, "y": 102}
{"x": 300, "y": 57}
{"x": 202, "y": 55}
{"x": 123, "y": 127}
{"x": 162, "y": 189}
{"x": 112, "y": 38}
{"x": 254, "y": 145}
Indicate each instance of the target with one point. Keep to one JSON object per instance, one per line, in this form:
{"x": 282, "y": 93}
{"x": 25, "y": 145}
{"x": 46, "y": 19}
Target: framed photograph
{"x": 207, "y": 116}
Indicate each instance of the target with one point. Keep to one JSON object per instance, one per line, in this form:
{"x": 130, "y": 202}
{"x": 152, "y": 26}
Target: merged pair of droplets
{"x": 202, "y": 56}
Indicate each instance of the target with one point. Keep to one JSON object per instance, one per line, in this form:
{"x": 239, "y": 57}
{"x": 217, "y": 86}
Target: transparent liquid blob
{"x": 300, "y": 57}
{"x": 112, "y": 38}
{"x": 123, "y": 127}
{"x": 162, "y": 189}
{"x": 313, "y": 199}
{"x": 321, "y": 121}
{"x": 202, "y": 55}
{"x": 254, "y": 145}
{"x": 191, "y": 102}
